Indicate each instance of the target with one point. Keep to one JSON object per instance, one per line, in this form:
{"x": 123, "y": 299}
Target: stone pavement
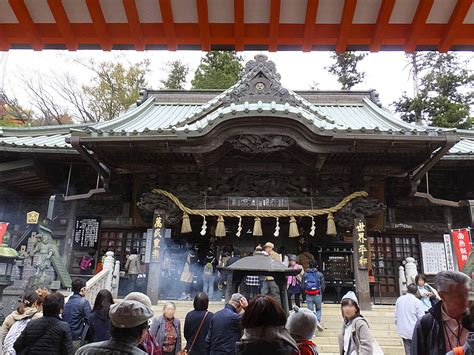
{"x": 380, "y": 318}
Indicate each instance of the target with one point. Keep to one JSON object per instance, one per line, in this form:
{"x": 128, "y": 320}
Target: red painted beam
{"x": 99, "y": 23}
{"x": 421, "y": 15}
{"x": 24, "y": 18}
{"x": 381, "y": 25}
{"x": 345, "y": 26}
{"x": 168, "y": 23}
{"x": 239, "y": 24}
{"x": 455, "y": 22}
{"x": 4, "y": 44}
{"x": 309, "y": 24}
{"x": 63, "y": 24}
{"x": 274, "y": 25}
{"x": 203, "y": 20}
{"x": 134, "y": 24}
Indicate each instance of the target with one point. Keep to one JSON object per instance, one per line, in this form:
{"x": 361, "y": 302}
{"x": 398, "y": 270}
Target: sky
{"x": 386, "y": 72}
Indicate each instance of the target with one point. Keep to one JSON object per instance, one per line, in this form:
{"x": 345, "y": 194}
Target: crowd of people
{"x": 430, "y": 320}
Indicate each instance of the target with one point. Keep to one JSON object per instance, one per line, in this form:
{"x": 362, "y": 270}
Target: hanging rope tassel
{"x": 239, "y": 228}
{"x": 331, "y": 225}
{"x": 257, "y": 227}
{"x": 220, "y": 228}
{"x": 293, "y": 232}
{"x": 277, "y": 227}
{"x": 186, "y": 224}
{"x": 204, "y": 226}
{"x": 312, "y": 232}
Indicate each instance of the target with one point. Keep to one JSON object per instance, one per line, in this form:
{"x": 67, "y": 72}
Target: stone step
{"x": 388, "y": 350}
{"x": 332, "y": 340}
{"x": 380, "y": 319}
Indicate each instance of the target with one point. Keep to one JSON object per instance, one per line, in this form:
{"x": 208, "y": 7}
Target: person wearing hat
{"x": 355, "y": 337}
{"x": 269, "y": 287}
{"x": 129, "y": 326}
{"x": 294, "y": 282}
{"x": 149, "y": 343}
{"x": 302, "y": 325}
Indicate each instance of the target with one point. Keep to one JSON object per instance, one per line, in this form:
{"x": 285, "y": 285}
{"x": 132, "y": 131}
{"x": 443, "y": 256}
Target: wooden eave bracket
{"x": 415, "y": 176}
{"x": 102, "y": 169}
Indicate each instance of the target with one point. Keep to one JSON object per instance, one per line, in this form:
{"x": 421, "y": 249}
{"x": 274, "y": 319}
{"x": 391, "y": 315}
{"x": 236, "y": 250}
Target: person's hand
{"x": 244, "y": 303}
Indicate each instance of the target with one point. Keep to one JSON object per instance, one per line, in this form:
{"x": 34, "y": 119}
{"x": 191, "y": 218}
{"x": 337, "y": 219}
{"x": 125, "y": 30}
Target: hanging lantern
{"x": 312, "y": 231}
{"x": 257, "y": 227}
{"x": 220, "y": 228}
{"x": 239, "y": 228}
{"x": 331, "y": 230}
{"x": 204, "y": 226}
{"x": 186, "y": 224}
{"x": 293, "y": 232}
{"x": 277, "y": 227}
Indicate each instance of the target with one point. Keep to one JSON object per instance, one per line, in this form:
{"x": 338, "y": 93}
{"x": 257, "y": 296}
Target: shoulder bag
{"x": 185, "y": 352}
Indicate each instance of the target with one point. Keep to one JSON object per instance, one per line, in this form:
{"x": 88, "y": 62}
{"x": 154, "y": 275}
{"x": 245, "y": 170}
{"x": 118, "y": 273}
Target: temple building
{"x": 301, "y": 166}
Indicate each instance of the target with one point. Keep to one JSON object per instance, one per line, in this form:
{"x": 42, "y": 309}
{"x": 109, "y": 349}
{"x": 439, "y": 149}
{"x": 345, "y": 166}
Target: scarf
{"x": 269, "y": 334}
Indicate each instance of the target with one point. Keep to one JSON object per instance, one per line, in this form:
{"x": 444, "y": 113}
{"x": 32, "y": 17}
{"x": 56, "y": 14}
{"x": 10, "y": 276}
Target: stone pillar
{"x": 156, "y": 256}
{"x": 116, "y": 279}
{"x": 109, "y": 264}
{"x": 361, "y": 263}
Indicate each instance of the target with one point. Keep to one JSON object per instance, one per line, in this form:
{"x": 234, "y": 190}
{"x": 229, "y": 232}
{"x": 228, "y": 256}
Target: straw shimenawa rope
{"x": 261, "y": 213}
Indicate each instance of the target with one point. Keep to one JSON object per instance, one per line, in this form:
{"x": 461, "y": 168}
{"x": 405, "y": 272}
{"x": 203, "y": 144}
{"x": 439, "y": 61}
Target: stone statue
{"x": 42, "y": 252}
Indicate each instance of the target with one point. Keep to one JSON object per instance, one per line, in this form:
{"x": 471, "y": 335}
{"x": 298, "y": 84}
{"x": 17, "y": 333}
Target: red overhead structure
{"x": 238, "y": 24}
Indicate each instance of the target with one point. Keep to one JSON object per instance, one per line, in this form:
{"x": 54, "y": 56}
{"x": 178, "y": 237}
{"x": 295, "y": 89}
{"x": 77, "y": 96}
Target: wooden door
{"x": 388, "y": 252}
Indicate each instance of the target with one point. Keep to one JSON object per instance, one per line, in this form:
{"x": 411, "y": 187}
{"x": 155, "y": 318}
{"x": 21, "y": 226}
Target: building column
{"x": 361, "y": 263}
{"x": 156, "y": 256}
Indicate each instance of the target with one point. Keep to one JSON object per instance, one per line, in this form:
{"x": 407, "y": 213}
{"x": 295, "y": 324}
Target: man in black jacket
{"x": 225, "y": 330}
{"x": 440, "y": 330}
{"x": 48, "y": 334}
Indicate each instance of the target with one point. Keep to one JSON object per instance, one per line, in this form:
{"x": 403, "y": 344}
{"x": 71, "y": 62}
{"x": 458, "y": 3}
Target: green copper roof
{"x": 166, "y": 114}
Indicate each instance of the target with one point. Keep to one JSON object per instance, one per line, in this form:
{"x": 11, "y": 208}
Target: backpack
{"x": 13, "y": 334}
{"x": 86, "y": 263}
{"x": 208, "y": 269}
{"x": 312, "y": 281}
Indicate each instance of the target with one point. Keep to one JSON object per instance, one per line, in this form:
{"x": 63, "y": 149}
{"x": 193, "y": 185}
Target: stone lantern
{"x": 7, "y": 260}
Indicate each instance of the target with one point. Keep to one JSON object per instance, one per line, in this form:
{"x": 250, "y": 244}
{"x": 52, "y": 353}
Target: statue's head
{"x": 6, "y": 238}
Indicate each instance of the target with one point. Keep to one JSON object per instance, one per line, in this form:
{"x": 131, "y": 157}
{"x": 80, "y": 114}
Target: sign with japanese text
{"x": 462, "y": 245}
{"x": 86, "y": 233}
{"x": 158, "y": 231}
{"x": 3, "y": 230}
{"x": 448, "y": 249}
{"x": 260, "y": 203}
{"x": 361, "y": 244}
{"x": 434, "y": 257}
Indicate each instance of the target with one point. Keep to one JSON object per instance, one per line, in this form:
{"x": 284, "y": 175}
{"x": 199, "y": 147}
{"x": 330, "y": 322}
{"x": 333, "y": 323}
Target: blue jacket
{"x": 158, "y": 330}
{"x": 224, "y": 332}
{"x": 75, "y": 316}
{"x": 99, "y": 328}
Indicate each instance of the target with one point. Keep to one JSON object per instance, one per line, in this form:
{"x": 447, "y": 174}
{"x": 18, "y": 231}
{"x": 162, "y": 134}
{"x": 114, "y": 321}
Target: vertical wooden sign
{"x": 361, "y": 263}
{"x": 155, "y": 259}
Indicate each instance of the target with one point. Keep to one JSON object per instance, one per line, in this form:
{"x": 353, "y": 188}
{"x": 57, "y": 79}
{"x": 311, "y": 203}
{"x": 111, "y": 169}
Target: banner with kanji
{"x": 3, "y": 230}
{"x": 462, "y": 245}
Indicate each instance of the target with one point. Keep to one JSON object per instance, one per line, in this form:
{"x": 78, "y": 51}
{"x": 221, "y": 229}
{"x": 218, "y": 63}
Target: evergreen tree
{"x": 443, "y": 93}
{"x": 345, "y": 68}
{"x": 176, "y": 76}
{"x": 217, "y": 70}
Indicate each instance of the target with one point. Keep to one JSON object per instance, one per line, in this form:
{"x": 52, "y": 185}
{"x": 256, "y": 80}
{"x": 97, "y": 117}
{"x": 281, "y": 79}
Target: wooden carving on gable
{"x": 260, "y": 82}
